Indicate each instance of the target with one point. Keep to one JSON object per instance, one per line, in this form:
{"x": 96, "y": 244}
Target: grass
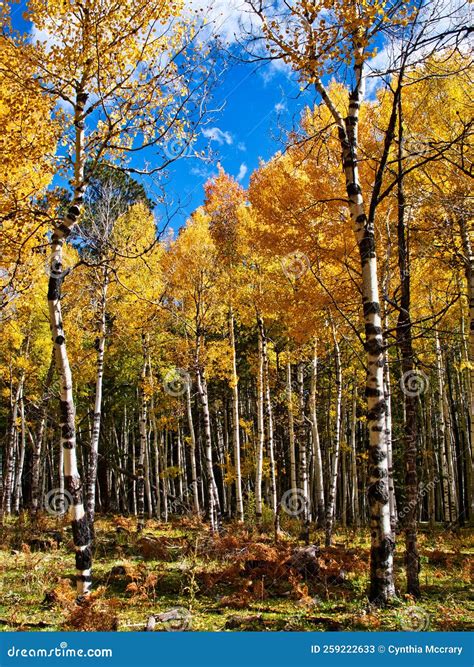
{"x": 188, "y": 580}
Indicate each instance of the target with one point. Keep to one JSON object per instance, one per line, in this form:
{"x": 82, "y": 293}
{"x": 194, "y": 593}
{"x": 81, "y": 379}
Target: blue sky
{"x": 256, "y": 102}
{"x": 258, "y": 105}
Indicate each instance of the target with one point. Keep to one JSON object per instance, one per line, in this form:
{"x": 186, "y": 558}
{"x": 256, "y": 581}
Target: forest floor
{"x": 186, "y": 579}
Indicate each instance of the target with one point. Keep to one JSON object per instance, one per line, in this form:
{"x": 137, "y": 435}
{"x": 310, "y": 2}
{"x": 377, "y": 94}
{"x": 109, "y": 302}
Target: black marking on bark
{"x": 361, "y": 219}
{"x": 377, "y": 411}
{"x": 54, "y": 288}
{"x": 376, "y": 428}
{"x": 377, "y": 455}
{"x": 371, "y": 308}
{"x": 84, "y": 559}
{"x": 66, "y": 409}
{"x": 353, "y": 189}
{"x": 63, "y": 228}
{"x": 367, "y": 247}
{"x": 372, "y": 330}
{"x": 80, "y": 533}
{"x": 83, "y": 577}
{"x": 374, "y": 346}
{"x": 59, "y": 340}
{"x": 74, "y": 210}
{"x": 378, "y": 472}
{"x": 351, "y": 121}
{"x": 373, "y": 392}
{"x": 378, "y": 493}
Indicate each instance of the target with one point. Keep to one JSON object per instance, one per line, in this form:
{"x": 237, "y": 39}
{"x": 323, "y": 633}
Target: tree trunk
{"x": 330, "y": 510}
{"x": 302, "y": 446}
{"x": 142, "y": 424}
{"x": 355, "y": 488}
{"x": 212, "y": 495}
{"x": 410, "y": 396}
{"x": 317, "y": 459}
{"x": 10, "y": 451}
{"x": 449, "y": 503}
{"x": 269, "y": 419}
{"x": 260, "y": 429}
{"x": 236, "y": 422}
{"x": 21, "y": 459}
{"x": 94, "y": 449}
{"x": 467, "y": 236}
{"x": 80, "y": 525}
{"x": 38, "y": 440}
{"x": 192, "y": 454}
{"x": 382, "y": 587}
{"x": 291, "y": 428}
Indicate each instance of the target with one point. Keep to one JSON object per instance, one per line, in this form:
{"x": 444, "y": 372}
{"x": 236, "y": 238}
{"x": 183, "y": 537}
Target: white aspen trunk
{"x": 179, "y": 463}
{"x": 445, "y": 437}
{"x": 212, "y": 496}
{"x": 21, "y": 459}
{"x": 382, "y": 586}
{"x": 73, "y": 482}
{"x": 236, "y": 422}
{"x": 344, "y": 489}
{"x": 269, "y": 420}
{"x": 355, "y": 488}
{"x": 147, "y": 473}
{"x": 164, "y": 467}
{"x": 38, "y": 440}
{"x": 156, "y": 452}
{"x": 192, "y": 455}
{"x": 260, "y": 431}
{"x": 94, "y": 448}
{"x": 388, "y": 435}
{"x": 133, "y": 457}
{"x": 453, "y": 496}
{"x": 223, "y": 460}
{"x": 10, "y": 451}
{"x": 430, "y": 465}
{"x": 331, "y": 506}
{"x": 63, "y": 507}
{"x": 291, "y": 428}
{"x": 317, "y": 458}
{"x": 467, "y": 236}
{"x": 142, "y": 426}
{"x": 302, "y": 449}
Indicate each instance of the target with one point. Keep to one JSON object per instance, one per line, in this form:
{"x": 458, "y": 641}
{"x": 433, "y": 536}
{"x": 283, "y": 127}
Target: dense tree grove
{"x": 299, "y": 351}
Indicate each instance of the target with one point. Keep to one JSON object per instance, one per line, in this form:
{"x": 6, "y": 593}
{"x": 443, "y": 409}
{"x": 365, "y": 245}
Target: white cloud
{"x": 242, "y": 172}
{"x": 228, "y": 19}
{"x": 217, "y": 135}
{"x": 242, "y": 147}
{"x": 280, "y": 106}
